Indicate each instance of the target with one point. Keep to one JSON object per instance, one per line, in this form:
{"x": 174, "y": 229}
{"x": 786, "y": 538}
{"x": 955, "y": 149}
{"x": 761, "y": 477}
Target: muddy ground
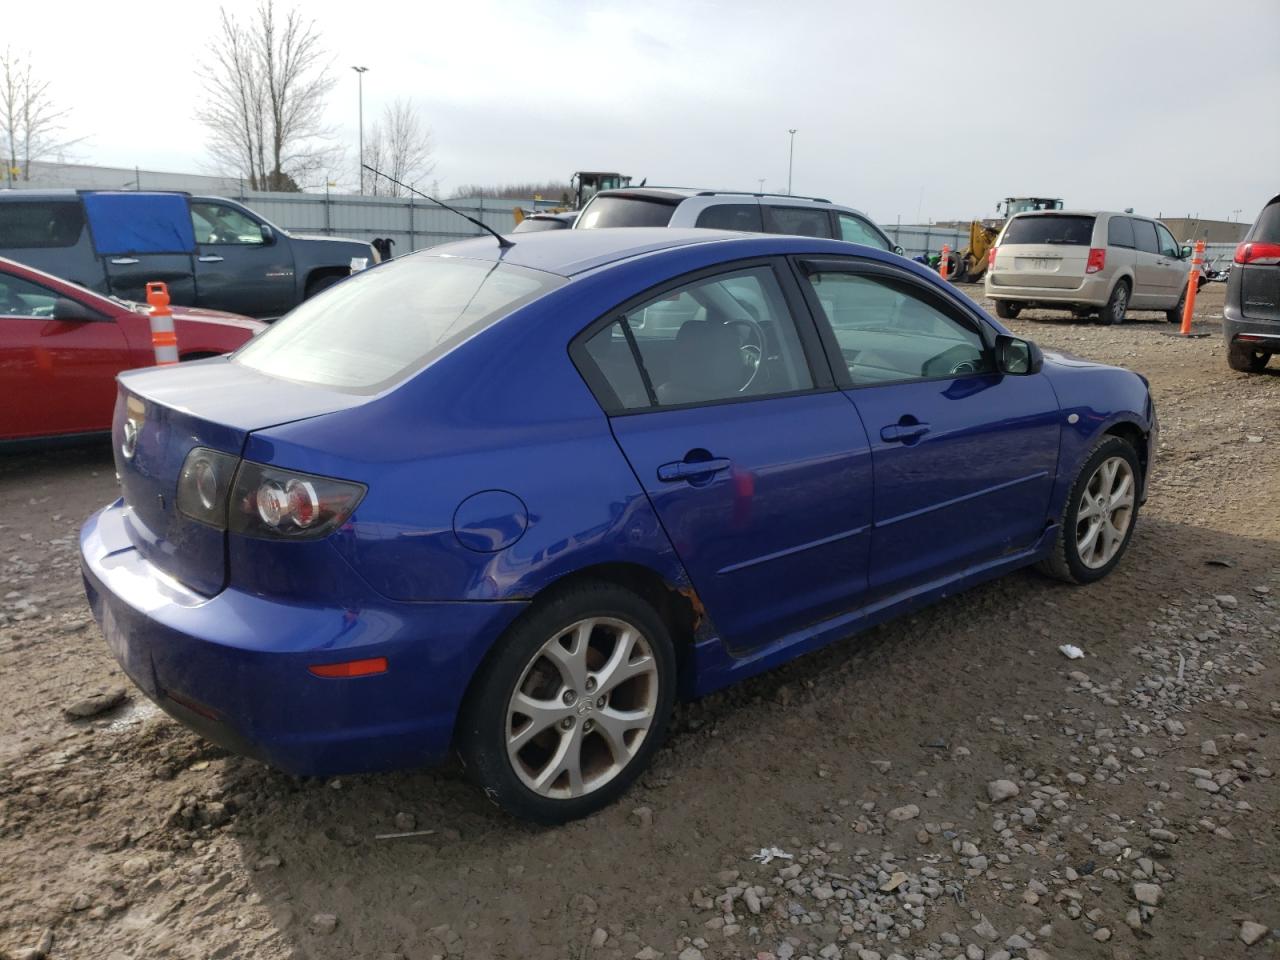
{"x": 1146, "y": 820}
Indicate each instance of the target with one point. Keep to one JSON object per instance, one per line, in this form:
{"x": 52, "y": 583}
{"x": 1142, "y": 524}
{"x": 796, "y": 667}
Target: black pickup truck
{"x": 212, "y": 252}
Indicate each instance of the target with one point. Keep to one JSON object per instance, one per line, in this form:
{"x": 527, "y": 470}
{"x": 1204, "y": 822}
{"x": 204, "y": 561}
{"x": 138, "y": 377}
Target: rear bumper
{"x": 1267, "y": 331}
{"x": 1092, "y": 291}
{"x": 233, "y": 667}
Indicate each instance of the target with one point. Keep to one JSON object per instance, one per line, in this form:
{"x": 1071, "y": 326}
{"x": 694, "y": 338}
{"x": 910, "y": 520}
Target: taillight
{"x": 991, "y": 258}
{"x": 203, "y": 485}
{"x": 1258, "y": 253}
{"x": 1097, "y": 260}
{"x": 271, "y": 503}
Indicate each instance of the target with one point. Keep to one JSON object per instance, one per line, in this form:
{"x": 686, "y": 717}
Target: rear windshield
{"x": 25, "y": 223}
{"x": 625, "y": 212}
{"x": 1050, "y": 228}
{"x": 375, "y": 329}
{"x": 1267, "y": 228}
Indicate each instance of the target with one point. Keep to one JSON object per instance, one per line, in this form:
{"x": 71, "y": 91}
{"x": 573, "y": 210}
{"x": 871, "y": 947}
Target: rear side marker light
{"x": 1258, "y": 253}
{"x": 1097, "y": 260}
{"x": 350, "y": 668}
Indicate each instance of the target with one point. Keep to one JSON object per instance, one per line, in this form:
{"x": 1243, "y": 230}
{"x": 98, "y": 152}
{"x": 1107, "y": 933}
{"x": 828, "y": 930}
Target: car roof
{"x": 60, "y": 193}
{"x": 684, "y": 193}
{"x": 1082, "y": 213}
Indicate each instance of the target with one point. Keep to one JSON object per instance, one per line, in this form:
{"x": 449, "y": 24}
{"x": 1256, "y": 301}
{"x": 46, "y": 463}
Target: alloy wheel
{"x": 1105, "y": 512}
{"x": 582, "y": 708}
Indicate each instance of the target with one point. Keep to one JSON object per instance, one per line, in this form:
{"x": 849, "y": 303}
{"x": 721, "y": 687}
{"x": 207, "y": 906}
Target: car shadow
{"x": 742, "y": 769}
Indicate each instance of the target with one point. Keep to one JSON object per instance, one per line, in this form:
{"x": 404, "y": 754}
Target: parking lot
{"x": 949, "y": 785}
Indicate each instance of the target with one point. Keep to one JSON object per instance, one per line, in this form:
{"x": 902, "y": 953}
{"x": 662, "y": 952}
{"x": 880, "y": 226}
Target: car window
{"x": 38, "y": 224}
{"x": 380, "y": 326}
{"x": 625, "y": 212}
{"x": 889, "y": 331}
{"x": 726, "y": 337}
{"x": 799, "y": 221}
{"x": 732, "y": 216}
{"x": 856, "y": 230}
{"x": 1067, "y": 229}
{"x": 1120, "y": 232}
{"x": 1144, "y": 235}
{"x": 1169, "y": 247}
{"x": 22, "y": 298}
{"x": 217, "y": 223}
{"x": 1266, "y": 229}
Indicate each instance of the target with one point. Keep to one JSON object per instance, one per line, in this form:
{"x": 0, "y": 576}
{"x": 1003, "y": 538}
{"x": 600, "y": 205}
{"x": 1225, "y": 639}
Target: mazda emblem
{"x": 129, "y": 445}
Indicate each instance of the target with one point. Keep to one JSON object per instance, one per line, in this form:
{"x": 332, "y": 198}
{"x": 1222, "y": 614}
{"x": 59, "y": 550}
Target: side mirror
{"x": 73, "y": 311}
{"x": 899, "y": 251}
{"x": 1018, "y": 358}
{"x": 268, "y": 235}
{"x": 1186, "y": 252}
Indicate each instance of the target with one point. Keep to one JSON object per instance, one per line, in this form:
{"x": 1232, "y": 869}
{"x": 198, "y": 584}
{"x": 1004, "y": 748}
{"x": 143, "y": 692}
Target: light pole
{"x": 761, "y": 179}
{"x": 791, "y": 155}
{"x": 360, "y": 72}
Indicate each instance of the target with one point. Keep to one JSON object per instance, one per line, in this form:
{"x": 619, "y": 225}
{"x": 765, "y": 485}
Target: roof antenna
{"x": 503, "y": 242}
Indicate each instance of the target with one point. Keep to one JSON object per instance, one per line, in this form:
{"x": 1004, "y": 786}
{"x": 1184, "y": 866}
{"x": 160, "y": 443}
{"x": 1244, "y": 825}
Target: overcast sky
{"x": 903, "y": 109}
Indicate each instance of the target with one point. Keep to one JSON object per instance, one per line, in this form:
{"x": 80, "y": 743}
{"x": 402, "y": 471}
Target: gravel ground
{"x": 945, "y": 786}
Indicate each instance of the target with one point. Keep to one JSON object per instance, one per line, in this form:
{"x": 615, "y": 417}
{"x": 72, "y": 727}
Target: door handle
{"x": 903, "y": 432}
{"x": 211, "y": 258}
{"x": 691, "y": 469}
{"x": 124, "y": 261}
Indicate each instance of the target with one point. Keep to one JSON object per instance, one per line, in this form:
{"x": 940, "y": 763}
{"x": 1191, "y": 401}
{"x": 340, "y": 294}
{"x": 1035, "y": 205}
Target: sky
{"x": 909, "y": 110}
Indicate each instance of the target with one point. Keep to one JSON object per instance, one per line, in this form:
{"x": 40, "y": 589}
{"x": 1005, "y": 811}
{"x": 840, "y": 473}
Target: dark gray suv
{"x": 211, "y": 252}
{"x": 1251, "y": 315}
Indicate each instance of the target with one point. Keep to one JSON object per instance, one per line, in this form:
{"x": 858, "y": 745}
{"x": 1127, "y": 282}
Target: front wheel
{"x": 1008, "y": 310}
{"x": 1100, "y": 515}
{"x": 1175, "y": 315}
{"x": 1117, "y": 304}
{"x": 572, "y": 705}
{"x": 1244, "y": 358}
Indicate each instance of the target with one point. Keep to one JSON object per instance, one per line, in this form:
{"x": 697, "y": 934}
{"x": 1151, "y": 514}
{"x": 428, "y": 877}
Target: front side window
{"x": 856, "y": 230}
{"x": 380, "y": 326}
{"x": 1144, "y": 235}
{"x": 889, "y": 331}
{"x": 39, "y": 224}
{"x": 1168, "y": 246}
{"x": 216, "y": 223}
{"x": 798, "y": 221}
{"x": 22, "y": 298}
{"x": 726, "y": 337}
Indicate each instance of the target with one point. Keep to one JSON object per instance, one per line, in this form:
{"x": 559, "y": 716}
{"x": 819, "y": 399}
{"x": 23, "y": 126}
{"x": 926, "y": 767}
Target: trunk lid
{"x": 1259, "y": 290}
{"x": 161, "y": 414}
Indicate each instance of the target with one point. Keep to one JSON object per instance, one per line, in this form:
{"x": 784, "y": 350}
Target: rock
{"x": 1208, "y": 786}
{"x": 267, "y": 863}
{"x": 1133, "y": 918}
{"x": 599, "y": 937}
{"x": 647, "y": 953}
{"x": 824, "y": 891}
{"x": 1227, "y": 600}
{"x": 690, "y": 953}
{"x": 751, "y": 899}
{"x": 1209, "y": 748}
{"x": 582, "y": 905}
{"x": 1102, "y": 934}
{"x": 1175, "y": 727}
{"x": 323, "y": 923}
{"x": 986, "y": 931}
{"x": 1079, "y": 779}
{"x": 135, "y": 867}
{"x": 406, "y": 822}
{"x": 1035, "y": 953}
{"x": 1147, "y": 893}
{"x": 908, "y": 812}
{"x": 81, "y": 901}
{"x": 978, "y": 863}
{"x": 93, "y": 705}
{"x": 974, "y": 952}
{"x": 1251, "y": 932}
{"x": 999, "y": 790}
{"x": 643, "y": 816}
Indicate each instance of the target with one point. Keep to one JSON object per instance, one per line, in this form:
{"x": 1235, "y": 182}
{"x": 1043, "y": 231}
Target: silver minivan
{"x": 1087, "y": 262}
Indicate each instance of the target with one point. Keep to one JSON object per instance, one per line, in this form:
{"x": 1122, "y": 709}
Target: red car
{"x": 61, "y": 347}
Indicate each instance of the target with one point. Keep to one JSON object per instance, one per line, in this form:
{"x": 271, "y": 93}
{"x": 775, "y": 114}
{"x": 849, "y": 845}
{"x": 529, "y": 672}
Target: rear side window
{"x": 27, "y": 224}
{"x": 1144, "y": 232}
{"x": 1267, "y": 227}
{"x": 1120, "y": 232}
{"x": 798, "y": 221}
{"x": 1069, "y": 230}
{"x": 625, "y": 212}
{"x": 380, "y": 326}
{"x": 732, "y": 216}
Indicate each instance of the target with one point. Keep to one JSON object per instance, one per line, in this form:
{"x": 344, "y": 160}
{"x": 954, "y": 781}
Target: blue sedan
{"x": 514, "y": 502}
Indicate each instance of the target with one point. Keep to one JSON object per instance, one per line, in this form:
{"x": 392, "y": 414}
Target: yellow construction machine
{"x": 970, "y": 264}
{"x": 585, "y": 184}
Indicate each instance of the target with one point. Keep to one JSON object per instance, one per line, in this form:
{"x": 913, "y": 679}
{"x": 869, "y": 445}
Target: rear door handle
{"x": 211, "y": 258}
{"x": 124, "y": 261}
{"x": 690, "y": 470}
{"x": 902, "y": 432}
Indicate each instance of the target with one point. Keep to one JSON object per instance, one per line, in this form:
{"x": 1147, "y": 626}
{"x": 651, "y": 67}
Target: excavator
{"x": 584, "y": 185}
{"x": 970, "y": 264}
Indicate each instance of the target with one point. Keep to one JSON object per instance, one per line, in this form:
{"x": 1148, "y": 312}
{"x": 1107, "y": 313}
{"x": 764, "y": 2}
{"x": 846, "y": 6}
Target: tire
{"x": 1246, "y": 359}
{"x": 322, "y": 283}
{"x": 539, "y": 781}
{"x": 1175, "y": 315}
{"x": 1008, "y": 310}
{"x": 1083, "y": 552}
{"x": 1117, "y": 304}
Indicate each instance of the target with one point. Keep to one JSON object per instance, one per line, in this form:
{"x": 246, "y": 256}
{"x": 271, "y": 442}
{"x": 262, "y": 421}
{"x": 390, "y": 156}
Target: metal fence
{"x": 926, "y": 240}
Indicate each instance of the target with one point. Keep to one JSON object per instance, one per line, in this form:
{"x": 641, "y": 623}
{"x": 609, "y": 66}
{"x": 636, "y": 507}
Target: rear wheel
{"x": 323, "y": 283}
{"x": 1100, "y": 515}
{"x": 571, "y": 707}
{"x": 1117, "y": 304}
{"x": 1242, "y": 357}
{"x": 1007, "y": 309}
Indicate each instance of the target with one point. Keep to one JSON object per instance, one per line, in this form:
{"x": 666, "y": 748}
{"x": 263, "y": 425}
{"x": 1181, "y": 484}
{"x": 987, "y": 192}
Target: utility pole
{"x": 360, "y": 72}
{"x": 791, "y": 155}
{"x": 761, "y": 179}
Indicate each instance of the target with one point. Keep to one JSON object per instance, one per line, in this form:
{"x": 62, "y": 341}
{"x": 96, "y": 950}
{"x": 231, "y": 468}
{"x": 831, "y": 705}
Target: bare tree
{"x": 267, "y": 86}
{"x": 30, "y": 122}
{"x": 400, "y": 145}
{"x": 547, "y": 190}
